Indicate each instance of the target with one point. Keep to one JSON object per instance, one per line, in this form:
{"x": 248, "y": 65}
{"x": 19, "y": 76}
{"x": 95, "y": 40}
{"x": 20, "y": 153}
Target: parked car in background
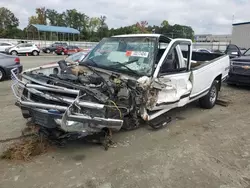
{"x": 67, "y": 50}
{"x": 4, "y": 45}
{"x": 203, "y": 50}
{"x": 23, "y": 41}
{"x": 23, "y": 48}
{"x": 8, "y": 62}
{"x": 239, "y": 73}
{"x": 54, "y": 46}
{"x": 233, "y": 51}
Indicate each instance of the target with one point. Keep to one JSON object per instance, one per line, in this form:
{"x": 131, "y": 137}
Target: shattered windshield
{"x": 132, "y": 55}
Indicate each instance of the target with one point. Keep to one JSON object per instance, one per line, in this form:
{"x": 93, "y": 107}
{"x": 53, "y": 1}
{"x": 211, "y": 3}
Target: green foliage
{"x": 91, "y": 28}
{"x": 39, "y": 18}
{"x": 8, "y": 23}
{"x": 33, "y": 20}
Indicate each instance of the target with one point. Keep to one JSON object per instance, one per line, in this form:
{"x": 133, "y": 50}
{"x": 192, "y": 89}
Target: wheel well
{"x": 34, "y": 51}
{"x": 1, "y": 68}
{"x": 218, "y": 79}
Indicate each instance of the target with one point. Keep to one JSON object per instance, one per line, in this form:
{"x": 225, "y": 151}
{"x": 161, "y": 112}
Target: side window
{"x": 247, "y": 53}
{"x": 4, "y": 44}
{"x": 174, "y": 62}
{"x": 204, "y": 51}
{"x": 28, "y": 45}
{"x": 171, "y": 62}
{"x": 21, "y": 45}
{"x": 232, "y": 48}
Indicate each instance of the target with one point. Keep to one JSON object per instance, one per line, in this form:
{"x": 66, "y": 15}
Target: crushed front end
{"x": 76, "y": 99}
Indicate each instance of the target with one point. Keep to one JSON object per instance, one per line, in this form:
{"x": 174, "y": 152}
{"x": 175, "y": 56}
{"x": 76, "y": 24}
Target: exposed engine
{"x": 119, "y": 97}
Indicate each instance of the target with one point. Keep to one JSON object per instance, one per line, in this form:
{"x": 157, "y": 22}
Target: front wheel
{"x": 209, "y": 100}
{"x": 13, "y": 52}
{"x": 62, "y": 53}
{"x": 35, "y": 53}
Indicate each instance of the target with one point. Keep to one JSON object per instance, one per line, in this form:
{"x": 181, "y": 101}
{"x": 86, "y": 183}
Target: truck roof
{"x": 138, "y": 35}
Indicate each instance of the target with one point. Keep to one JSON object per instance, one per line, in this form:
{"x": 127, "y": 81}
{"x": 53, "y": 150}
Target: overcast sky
{"x": 204, "y": 16}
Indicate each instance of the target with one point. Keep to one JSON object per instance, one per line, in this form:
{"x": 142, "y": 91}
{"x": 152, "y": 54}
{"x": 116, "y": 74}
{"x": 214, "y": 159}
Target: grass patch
{"x": 26, "y": 148}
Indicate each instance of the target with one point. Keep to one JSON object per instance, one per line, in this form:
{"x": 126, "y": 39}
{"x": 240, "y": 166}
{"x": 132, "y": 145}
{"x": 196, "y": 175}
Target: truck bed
{"x": 205, "y": 69}
{"x": 202, "y": 59}
{"x": 200, "y": 56}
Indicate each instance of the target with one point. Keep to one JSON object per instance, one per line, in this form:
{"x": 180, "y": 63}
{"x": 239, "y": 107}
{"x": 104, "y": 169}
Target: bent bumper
{"x": 63, "y": 115}
{"x": 52, "y": 116}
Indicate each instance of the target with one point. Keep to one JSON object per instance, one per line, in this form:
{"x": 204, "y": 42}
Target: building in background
{"x": 241, "y": 34}
{"x": 213, "y": 38}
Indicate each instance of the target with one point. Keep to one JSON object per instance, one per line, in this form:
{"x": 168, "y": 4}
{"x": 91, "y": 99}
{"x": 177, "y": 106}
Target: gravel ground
{"x": 199, "y": 148}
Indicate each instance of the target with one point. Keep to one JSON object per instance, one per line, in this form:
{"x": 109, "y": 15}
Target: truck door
{"x": 172, "y": 76}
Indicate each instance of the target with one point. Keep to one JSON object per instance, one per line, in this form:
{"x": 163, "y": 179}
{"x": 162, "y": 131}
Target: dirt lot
{"x": 199, "y": 148}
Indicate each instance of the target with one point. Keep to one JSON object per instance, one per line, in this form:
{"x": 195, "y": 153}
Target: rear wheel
{"x": 48, "y": 51}
{"x": 2, "y": 74}
{"x": 35, "y": 53}
{"x": 13, "y": 52}
{"x": 62, "y": 53}
{"x": 210, "y": 99}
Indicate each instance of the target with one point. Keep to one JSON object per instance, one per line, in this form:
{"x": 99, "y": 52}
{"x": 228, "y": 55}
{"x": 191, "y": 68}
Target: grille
{"x": 241, "y": 70}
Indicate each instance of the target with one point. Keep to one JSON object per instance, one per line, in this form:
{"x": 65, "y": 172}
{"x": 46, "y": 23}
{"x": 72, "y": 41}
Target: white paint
{"x": 204, "y": 76}
{"x": 175, "y": 87}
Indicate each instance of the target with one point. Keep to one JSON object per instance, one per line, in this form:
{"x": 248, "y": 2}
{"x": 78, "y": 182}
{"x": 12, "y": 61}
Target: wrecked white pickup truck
{"x": 123, "y": 80}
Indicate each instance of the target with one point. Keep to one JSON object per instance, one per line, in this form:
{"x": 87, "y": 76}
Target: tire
{"x": 210, "y": 99}
{"x": 47, "y": 51}
{"x": 35, "y": 53}
{"x": 62, "y": 53}
{"x": 13, "y": 52}
{"x": 2, "y": 74}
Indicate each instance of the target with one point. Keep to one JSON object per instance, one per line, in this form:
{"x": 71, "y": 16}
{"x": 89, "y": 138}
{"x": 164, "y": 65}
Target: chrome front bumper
{"x": 58, "y": 115}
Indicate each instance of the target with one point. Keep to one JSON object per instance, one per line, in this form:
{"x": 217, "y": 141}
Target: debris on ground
{"x": 26, "y": 148}
{"x": 222, "y": 102}
{"x": 28, "y": 131}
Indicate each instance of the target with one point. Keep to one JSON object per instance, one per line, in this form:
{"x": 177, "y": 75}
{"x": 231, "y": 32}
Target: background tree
{"x": 39, "y": 18}
{"x": 8, "y": 23}
{"x": 41, "y": 15}
{"x": 91, "y": 29}
{"x": 93, "y": 26}
{"x": 103, "y": 30}
{"x": 33, "y": 20}
{"x": 52, "y": 16}
{"x": 142, "y": 27}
